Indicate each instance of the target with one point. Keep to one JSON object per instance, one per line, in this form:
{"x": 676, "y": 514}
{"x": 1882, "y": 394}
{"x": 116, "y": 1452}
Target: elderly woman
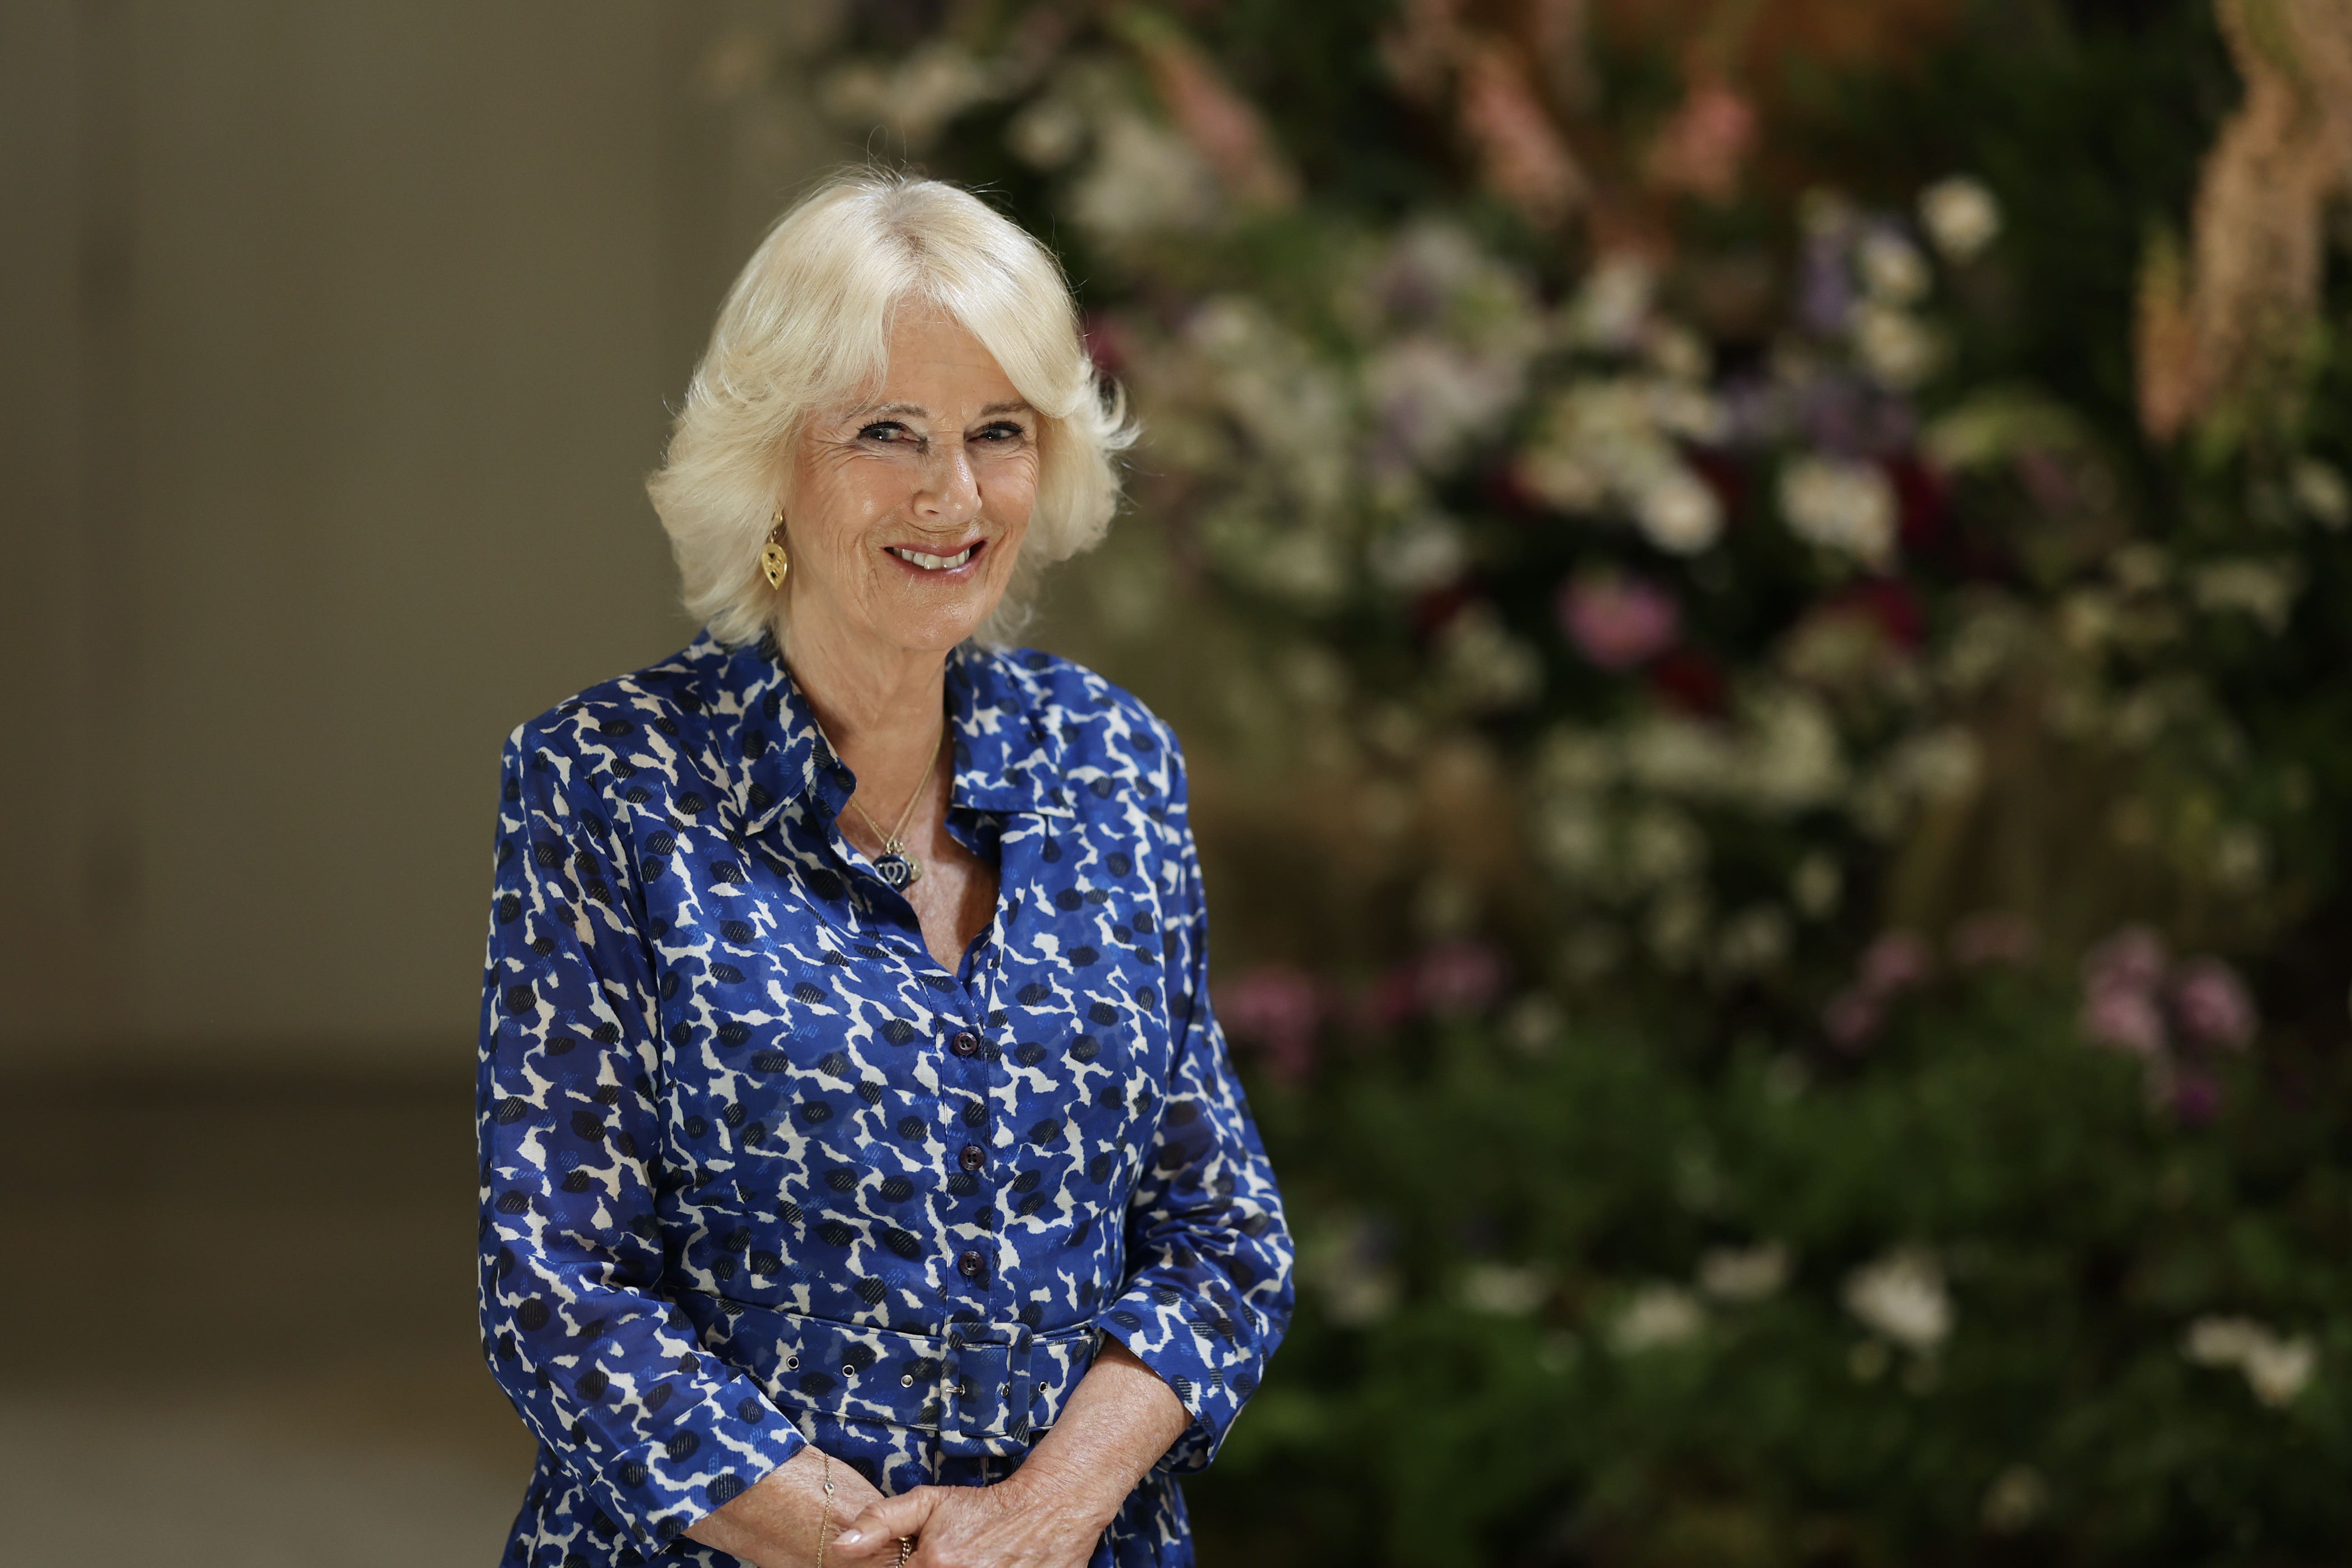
{"x": 862, "y": 1175}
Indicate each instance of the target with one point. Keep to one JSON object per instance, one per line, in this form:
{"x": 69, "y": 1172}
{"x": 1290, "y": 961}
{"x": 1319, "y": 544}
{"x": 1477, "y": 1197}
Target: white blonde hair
{"x": 807, "y": 327}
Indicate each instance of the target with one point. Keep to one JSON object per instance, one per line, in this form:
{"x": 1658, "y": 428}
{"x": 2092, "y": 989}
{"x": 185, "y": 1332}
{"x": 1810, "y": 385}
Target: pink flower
{"x": 1276, "y": 1008}
{"x": 1703, "y": 146}
{"x": 2213, "y": 1005}
{"x": 1852, "y": 1018}
{"x": 1992, "y": 937}
{"x": 2124, "y": 1016}
{"x": 1458, "y": 977}
{"x": 1896, "y": 963}
{"x": 1521, "y": 154}
{"x": 2133, "y": 959}
{"x": 1618, "y": 620}
{"x": 1221, "y": 125}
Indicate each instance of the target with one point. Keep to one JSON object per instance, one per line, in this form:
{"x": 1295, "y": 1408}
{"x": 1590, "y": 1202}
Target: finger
{"x": 891, "y": 1518}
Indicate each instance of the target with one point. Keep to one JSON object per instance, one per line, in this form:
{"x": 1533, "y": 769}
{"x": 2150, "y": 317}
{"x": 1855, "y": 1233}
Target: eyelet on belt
{"x": 848, "y": 1371}
{"x": 791, "y": 1364}
{"x": 906, "y": 1379}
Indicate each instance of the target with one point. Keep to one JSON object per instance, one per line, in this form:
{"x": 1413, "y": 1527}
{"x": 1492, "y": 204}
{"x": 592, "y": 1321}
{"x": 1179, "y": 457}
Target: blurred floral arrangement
{"x": 1743, "y": 606}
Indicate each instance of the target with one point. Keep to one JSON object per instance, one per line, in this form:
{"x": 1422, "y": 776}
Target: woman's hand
{"x": 775, "y": 1524}
{"x": 1050, "y": 1512}
{"x": 1022, "y": 1521}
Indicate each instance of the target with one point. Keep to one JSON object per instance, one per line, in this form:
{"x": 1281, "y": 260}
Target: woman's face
{"x": 909, "y": 508}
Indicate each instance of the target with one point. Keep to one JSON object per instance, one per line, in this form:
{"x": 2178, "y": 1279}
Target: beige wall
{"x": 337, "y": 339}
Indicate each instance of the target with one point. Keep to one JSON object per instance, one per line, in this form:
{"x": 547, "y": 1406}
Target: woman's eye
{"x": 882, "y": 430}
{"x": 1004, "y": 430}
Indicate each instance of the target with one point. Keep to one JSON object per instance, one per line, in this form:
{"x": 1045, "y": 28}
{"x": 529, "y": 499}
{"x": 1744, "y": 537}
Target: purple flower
{"x": 2196, "y": 1097}
{"x": 2213, "y": 1005}
{"x": 1617, "y": 620}
{"x": 1825, "y": 285}
{"x": 1275, "y": 1008}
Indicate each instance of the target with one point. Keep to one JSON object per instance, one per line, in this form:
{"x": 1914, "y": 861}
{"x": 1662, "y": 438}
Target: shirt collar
{"x": 1008, "y": 753}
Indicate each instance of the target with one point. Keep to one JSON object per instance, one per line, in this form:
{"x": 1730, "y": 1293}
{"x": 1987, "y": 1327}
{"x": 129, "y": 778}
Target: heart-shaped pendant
{"x": 899, "y": 868}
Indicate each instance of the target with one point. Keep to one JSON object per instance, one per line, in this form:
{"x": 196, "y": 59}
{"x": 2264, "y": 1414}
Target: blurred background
{"x": 1756, "y": 590}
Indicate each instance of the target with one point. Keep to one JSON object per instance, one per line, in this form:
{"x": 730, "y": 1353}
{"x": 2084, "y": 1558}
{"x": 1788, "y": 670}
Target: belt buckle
{"x": 989, "y": 1386}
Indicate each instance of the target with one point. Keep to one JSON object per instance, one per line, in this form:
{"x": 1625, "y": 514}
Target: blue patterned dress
{"x": 757, "y": 1172}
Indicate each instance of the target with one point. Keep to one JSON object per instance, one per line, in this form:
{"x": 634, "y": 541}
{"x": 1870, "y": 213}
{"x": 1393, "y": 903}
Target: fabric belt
{"x": 987, "y": 1390}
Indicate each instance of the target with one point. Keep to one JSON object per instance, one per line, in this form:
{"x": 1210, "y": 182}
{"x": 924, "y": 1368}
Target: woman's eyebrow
{"x": 1015, "y": 407}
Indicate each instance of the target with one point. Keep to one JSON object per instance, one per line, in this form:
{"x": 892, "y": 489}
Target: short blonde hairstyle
{"x": 807, "y": 328}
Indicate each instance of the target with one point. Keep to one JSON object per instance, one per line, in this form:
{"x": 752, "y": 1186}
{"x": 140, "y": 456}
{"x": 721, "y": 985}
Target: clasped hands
{"x": 1039, "y": 1517}
{"x": 1048, "y": 1514}
{"x": 1034, "y": 1517}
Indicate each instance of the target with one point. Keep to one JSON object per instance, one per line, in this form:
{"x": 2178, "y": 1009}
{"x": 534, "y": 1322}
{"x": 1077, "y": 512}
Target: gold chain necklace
{"x": 897, "y": 864}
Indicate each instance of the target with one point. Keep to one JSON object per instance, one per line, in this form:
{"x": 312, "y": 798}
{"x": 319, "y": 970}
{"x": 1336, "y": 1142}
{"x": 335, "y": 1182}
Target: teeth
{"x": 933, "y": 562}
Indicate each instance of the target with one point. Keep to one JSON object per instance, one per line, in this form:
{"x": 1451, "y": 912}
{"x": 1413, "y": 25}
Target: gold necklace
{"x": 897, "y": 864}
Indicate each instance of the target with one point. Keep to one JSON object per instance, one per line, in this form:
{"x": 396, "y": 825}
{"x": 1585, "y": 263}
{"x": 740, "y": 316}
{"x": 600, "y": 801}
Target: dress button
{"x": 970, "y": 1265}
{"x": 965, "y": 1044}
{"x": 973, "y": 1157}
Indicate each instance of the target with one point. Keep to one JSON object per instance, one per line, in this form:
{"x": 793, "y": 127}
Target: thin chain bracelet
{"x": 825, "y": 1518}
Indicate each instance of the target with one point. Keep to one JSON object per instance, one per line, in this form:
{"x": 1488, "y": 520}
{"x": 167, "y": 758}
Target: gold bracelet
{"x": 824, "y": 1517}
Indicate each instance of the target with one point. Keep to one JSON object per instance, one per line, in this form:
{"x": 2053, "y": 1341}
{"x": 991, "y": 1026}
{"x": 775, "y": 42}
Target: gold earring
{"x": 775, "y": 559}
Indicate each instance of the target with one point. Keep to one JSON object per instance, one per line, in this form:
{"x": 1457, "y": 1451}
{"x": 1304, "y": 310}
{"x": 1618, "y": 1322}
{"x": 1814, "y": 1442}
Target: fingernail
{"x": 849, "y": 1538}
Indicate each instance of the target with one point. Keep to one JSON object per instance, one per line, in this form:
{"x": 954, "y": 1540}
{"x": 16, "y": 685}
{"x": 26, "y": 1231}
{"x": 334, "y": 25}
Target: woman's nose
{"x": 950, "y": 493}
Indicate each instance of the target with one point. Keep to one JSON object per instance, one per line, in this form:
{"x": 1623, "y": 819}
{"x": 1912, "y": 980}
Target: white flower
{"x": 2017, "y": 1499}
{"x": 1960, "y": 215}
{"x": 1753, "y": 941}
{"x": 1902, "y": 1297}
{"x": 1895, "y": 347}
{"x": 2266, "y": 590}
{"x": 1791, "y": 759}
{"x": 1891, "y": 268}
{"x": 1946, "y": 764}
{"x": 1610, "y": 310}
{"x": 1656, "y": 1315}
{"x": 2222, "y": 1341}
{"x": 1502, "y": 1290}
{"x": 1841, "y": 505}
{"x": 915, "y": 98}
{"x": 1425, "y": 552}
{"x": 2276, "y": 1369}
{"x": 1744, "y": 1274}
{"x": 1679, "y": 513}
{"x": 1047, "y": 133}
{"x": 1144, "y": 177}
{"x": 1431, "y": 396}
{"x": 1816, "y": 885}
{"x": 2319, "y": 489}
{"x": 1487, "y": 665}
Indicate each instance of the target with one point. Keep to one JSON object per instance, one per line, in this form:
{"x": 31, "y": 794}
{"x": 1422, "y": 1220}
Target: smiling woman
{"x": 883, "y": 1193}
{"x": 801, "y": 347}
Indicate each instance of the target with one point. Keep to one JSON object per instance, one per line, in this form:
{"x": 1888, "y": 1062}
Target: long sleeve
{"x": 608, "y": 1373}
{"x": 1209, "y": 1288}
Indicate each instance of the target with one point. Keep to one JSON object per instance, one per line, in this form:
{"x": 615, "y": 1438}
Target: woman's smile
{"x": 930, "y": 565}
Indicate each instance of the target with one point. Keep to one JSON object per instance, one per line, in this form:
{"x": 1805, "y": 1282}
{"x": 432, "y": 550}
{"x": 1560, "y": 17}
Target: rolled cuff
{"x": 1212, "y": 1357}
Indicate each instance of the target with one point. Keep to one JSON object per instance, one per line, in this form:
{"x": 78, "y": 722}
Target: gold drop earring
{"x": 775, "y": 559}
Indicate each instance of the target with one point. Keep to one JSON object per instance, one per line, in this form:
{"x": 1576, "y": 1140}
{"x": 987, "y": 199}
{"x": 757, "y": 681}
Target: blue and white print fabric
{"x": 757, "y": 1171}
